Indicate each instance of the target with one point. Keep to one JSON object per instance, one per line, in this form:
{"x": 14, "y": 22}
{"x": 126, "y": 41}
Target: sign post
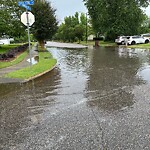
{"x": 29, "y": 38}
{"x": 27, "y": 18}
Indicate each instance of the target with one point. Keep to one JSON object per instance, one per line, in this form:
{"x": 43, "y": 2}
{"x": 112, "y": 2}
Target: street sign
{"x": 27, "y": 17}
{"x": 26, "y": 3}
{"x": 26, "y": 6}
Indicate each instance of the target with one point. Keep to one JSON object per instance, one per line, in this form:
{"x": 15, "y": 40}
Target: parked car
{"x": 137, "y": 40}
{"x": 146, "y": 35}
{"x": 120, "y": 40}
{"x": 1, "y": 43}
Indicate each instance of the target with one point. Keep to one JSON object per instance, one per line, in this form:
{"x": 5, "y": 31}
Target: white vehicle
{"x": 120, "y": 40}
{"x": 146, "y": 35}
{"x": 1, "y": 43}
{"x": 137, "y": 40}
{"x": 6, "y": 40}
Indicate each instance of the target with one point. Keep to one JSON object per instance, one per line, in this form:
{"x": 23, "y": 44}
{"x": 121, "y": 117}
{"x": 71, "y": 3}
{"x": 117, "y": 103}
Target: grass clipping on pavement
{"x": 46, "y": 63}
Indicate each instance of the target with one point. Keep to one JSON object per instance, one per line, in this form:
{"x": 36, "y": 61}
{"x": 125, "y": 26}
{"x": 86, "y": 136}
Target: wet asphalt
{"x": 95, "y": 99}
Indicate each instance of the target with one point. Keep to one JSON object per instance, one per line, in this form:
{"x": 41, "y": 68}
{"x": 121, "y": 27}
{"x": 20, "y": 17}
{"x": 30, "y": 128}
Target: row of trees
{"x": 73, "y": 28}
{"x": 117, "y": 17}
{"x": 109, "y": 18}
{"x": 44, "y": 27}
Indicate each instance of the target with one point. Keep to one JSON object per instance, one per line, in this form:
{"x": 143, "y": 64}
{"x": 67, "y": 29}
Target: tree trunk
{"x": 42, "y": 44}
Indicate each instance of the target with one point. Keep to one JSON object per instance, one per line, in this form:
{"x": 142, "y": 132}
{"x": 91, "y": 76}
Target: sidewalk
{"x": 65, "y": 45}
{"x": 23, "y": 64}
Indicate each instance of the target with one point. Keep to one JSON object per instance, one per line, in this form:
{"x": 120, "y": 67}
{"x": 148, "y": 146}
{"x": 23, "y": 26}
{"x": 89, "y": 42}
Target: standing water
{"x": 95, "y": 99}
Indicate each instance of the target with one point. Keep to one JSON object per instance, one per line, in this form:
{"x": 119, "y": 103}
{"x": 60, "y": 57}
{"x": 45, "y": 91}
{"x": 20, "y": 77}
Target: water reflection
{"x": 111, "y": 80}
{"x": 143, "y": 56}
{"x": 71, "y": 59}
{"x": 144, "y": 73}
{"x": 57, "y": 104}
{"x": 34, "y": 60}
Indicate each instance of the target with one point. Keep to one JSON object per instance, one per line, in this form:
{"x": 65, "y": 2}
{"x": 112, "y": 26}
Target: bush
{"x": 13, "y": 52}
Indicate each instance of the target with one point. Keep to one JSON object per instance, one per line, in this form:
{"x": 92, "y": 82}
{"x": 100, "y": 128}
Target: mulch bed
{"x": 13, "y": 53}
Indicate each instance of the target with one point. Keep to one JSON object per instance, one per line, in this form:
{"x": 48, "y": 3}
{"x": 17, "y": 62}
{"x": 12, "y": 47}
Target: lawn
{"x": 4, "y": 64}
{"x": 46, "y": 62}
{"x": 146, "y": 46}
{"x": 106, "y": 44}
{"x": 101, "y": 43}
{"x": 5, "y": 48}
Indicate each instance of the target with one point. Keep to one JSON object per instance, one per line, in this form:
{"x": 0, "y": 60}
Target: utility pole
{"x": 86, "y": 28}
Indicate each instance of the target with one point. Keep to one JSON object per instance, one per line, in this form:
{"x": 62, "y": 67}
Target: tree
{"x": 116, "y": 17}
{"x": 73, "y": 28}
{"x": 10, "y": 24}
{"x": 79, "y": 31}
{"x": 46, "y": 23}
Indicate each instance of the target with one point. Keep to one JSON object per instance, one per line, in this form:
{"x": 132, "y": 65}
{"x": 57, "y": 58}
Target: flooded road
{"x": 95, "y": 99}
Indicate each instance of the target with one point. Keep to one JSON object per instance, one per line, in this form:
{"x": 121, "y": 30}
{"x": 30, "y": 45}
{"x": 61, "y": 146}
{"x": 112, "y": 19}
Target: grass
{"x": 46, "y": 62}
{"x": 101, "y": 43}
{"x": 5, "y": 48}
{"x": 106, "y": 44}
{"x": 146, "y": 46}
{"x": 15, "y": 61}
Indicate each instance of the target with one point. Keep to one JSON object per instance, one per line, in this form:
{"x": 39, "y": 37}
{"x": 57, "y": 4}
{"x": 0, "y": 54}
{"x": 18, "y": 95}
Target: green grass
{"x": 46, "y": 62}
{"x": 101, "y": 43}
{"x": 5, "y": 48}
{"x": 146, "y": 46}
{"x": 15, "y": 61}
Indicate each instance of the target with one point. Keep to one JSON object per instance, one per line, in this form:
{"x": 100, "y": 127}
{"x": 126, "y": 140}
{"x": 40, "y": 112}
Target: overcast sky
{"x": 69, "y": 7}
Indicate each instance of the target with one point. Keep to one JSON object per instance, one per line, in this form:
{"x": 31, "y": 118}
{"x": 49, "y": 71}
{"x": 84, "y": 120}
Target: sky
{"x": 148, "y": 11}
{"x": 69, "y": 7}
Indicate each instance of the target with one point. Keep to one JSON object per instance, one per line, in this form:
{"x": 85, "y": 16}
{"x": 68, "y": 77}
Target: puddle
{"x": 144, "y": 73}
{"x": 34, "y": 60}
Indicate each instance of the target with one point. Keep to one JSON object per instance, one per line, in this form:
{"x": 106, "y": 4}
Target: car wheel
{"x": 122, "y": 43}
{"x": 133, "y": 43}
{"x": 146, "y": 41}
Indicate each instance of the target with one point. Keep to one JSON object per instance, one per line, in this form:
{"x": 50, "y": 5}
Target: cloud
{"x": 67, "y": 7}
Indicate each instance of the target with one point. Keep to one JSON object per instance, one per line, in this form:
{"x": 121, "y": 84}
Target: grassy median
{"x": 46, "y": 63}
{"x": 14, "y": 61}
{"x": 5, "y": 48}
{"x": 18, "y": 59}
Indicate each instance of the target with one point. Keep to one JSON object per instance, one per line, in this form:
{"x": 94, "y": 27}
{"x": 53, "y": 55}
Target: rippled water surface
{"x": 95, "y": 99}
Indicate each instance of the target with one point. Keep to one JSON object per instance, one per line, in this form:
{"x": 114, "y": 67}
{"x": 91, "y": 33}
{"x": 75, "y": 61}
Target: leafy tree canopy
{"x": 10, "y": 14}
{"x": 46, "y": 23}
{"x": 116, "y": 17}
{"x": 73, "y": 28}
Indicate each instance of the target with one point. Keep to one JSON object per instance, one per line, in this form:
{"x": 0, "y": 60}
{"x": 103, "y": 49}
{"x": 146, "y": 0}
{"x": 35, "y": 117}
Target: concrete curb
{"x": 36, "y": 76}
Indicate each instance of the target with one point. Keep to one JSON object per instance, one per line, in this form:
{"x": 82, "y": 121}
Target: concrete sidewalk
{"x": 23, "y": 64}
{"x": 65, "y": 45}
